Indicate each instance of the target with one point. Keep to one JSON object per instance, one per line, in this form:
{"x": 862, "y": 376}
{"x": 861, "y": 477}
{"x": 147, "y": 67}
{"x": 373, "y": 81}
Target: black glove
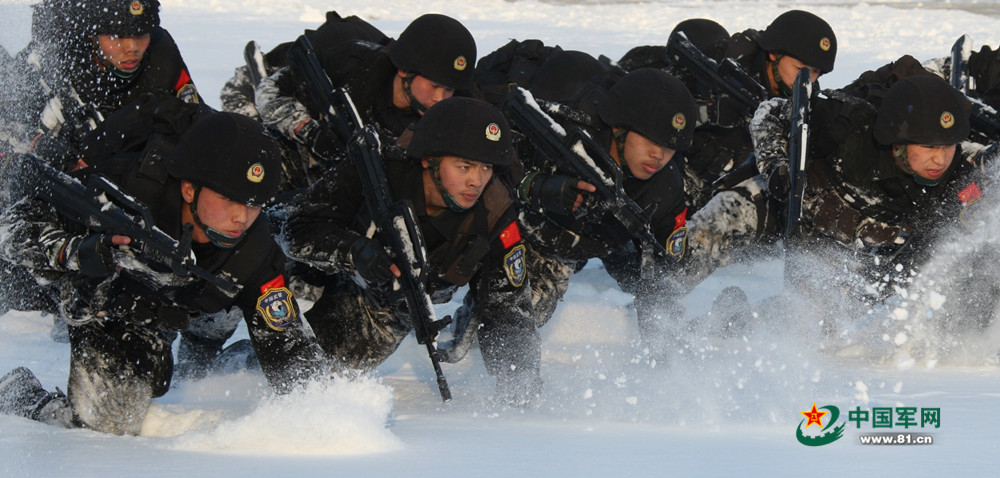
{"x": 321, "y": 142}
{"x": 92, "y": 255}
{"x": 555, "y": 194}
{"x": 371, "y": 261}
{"x": 778, "y": 182}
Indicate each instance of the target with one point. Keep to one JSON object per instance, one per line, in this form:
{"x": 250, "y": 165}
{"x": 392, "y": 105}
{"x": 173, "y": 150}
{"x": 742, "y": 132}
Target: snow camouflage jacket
{"x": 159, "y": 300}
{"x": 481, "y": 247}
{"x": 362, "y": 68}
{"x": 855, "y": 193}
{"x": 84, "y": 91}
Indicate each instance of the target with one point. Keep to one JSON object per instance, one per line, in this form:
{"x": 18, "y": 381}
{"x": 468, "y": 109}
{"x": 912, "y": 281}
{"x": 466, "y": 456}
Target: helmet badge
{"x": 460, "y": 63}
{"x": 679, "y": 121}
{"x": 136, "y": 8}
{"x": 824, "y": 44}
{"x": 947, "y": 120}
{"x": 255, "y": 173}
{"x": 493, "y": 132}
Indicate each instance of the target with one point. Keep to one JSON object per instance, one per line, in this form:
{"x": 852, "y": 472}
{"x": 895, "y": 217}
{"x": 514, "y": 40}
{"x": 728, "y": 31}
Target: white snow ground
{"x": 723, "y": 408}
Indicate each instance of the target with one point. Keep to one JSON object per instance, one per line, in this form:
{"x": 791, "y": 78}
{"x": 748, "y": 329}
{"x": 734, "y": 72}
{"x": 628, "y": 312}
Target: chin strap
{"x": 217, "y": 238}
{"x": 899, "y": 157}
{"x": 783, "y": 89}
{"x": 414, "y": 104}
{"x": 619, "y": 139}
{"x": 434, "y": 165}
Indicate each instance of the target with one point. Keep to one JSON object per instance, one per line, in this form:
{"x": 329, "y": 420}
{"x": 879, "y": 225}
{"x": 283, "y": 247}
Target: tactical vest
{"x": 457, "y": 260}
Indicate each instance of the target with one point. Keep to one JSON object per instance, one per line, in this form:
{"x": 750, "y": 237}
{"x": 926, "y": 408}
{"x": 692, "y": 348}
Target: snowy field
{"x": 721, "y": 407}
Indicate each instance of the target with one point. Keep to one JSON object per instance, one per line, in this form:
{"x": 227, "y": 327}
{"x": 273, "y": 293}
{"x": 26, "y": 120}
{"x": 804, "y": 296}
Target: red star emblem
{"x": 814, "y": 416}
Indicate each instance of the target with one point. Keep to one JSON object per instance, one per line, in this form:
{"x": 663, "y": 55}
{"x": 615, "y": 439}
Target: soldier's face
{"x": 219, "y": 212}
{"x": 123, "y": 53}
{"x": 464, "y": 179}
{"x": 930, "y": 162}
{"x": 643, "y": 157}
{"x": 788, "y": 69}
{"x": 427, "y": 92}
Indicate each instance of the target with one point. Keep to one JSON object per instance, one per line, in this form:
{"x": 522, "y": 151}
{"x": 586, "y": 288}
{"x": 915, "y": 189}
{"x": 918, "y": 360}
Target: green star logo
{"x": 815, "y": 417}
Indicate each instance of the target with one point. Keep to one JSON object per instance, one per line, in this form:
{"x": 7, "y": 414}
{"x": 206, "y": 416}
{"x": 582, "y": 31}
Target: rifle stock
{"x": 101, "y": 206}
{"x": 395, "y": 221}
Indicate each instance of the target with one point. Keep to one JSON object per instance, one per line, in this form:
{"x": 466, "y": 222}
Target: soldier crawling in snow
{"x": 773, "y": 57}
{"x": 95, "y": 56}
{"x": 640, "y": 122}
{"x": 86, "y": 59}
{"x": 882, "y": 184}
{"x": 391, "y": 86}
{"x": 123, "y": 317}
{"x": 456, "y": 161}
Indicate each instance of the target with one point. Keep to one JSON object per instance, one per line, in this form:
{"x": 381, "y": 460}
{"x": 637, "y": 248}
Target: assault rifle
{"x": 395, "y": 221}
{"x": 723, "y": 79}
{"x": 102, "y": 207}
{"x": 578, "y": 155}
{"x": 984, "y": 120}
{"x": 798, "y": 151}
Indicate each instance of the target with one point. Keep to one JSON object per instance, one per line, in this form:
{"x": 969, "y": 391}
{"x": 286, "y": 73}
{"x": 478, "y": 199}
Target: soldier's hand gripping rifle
{"x": 102, "y": 207}
{"x": 577, "y": 155}
{"x": 395, "y": 221}
{"x": 723, "y": 79}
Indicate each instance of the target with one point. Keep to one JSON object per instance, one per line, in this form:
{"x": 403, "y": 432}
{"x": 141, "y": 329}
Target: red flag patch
{"x": 970, "y": 193}
{"x": 276, "y": 283}
{"x": 511, "y": 235}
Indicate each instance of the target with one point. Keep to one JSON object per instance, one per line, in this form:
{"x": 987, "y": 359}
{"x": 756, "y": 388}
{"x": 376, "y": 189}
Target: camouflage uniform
{"x": 859, "y": 205}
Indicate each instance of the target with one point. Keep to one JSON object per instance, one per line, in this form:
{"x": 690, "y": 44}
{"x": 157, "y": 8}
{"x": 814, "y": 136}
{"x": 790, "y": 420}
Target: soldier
{"x": 642, "y": 123}
{"x": 795, "y": 39}
{"x": 456, "y": 161}
{"x": 122, "y": 317}
{"x": 882, "y": 184}
{"x": 772, "y": 57}
{"x": 391, "y": 86}
{"x": 95, "y": 56}
{"x": 89, "y": 57}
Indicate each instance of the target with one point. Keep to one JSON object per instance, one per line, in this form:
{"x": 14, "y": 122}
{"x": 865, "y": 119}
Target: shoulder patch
{"x": 514, "y": 265}
{"x": 276, "y": 306}
{"x": 510, "y": 235}
{"x": 677, "y": 243}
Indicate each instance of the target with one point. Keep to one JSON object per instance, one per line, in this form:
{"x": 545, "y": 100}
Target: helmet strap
{"x": 217, "y": 238}
{"x": 900, "y": 158}
{"x": 406, "y": 83}
{"x": 434, "y": 166}
{"x": 619, "y": 139}
{"x": 783, "y": 89}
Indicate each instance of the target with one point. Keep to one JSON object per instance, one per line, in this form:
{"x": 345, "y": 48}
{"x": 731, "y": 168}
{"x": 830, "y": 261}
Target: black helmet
{"x": 563, "y": 74}
{"x": 437, "y": 47}
{"x": 922, "y": 109}
{"x": 710, "y": 37}
{"x": 804, "y": 36}
{"x": 123, "y": 18}
{"x": 232, "y": 155}
{"x": 464, "y": 127}
{"x": 654, "y": 104}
